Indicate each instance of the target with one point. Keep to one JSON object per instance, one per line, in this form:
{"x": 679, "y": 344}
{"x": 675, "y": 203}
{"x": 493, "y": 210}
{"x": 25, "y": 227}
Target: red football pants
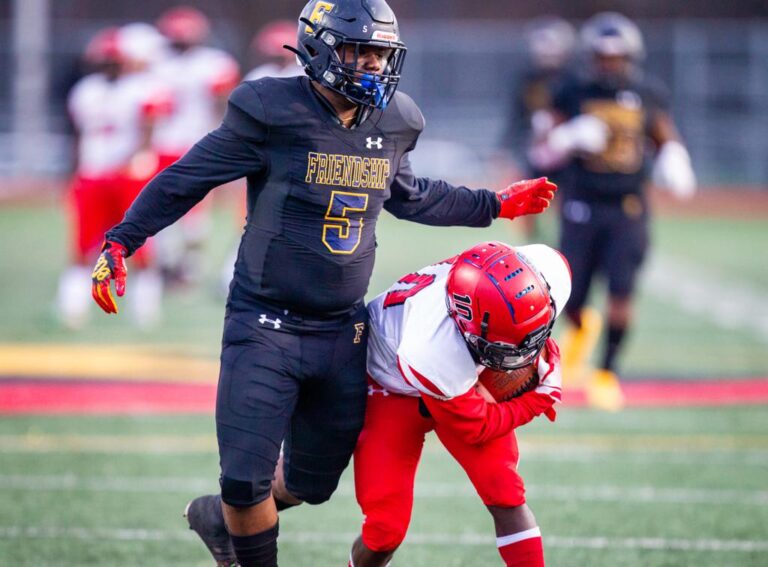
{"x": 388, "y": 453}
{"x": 98, "y": 204}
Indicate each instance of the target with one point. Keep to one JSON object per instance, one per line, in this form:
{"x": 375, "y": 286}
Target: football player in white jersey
{"x": 201, "y": 78}
{"x": 432, "y": 334}
{"x": 113, "y": 111}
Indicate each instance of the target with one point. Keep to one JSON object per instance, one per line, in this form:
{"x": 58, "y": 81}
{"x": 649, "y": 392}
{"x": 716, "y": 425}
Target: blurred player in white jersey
{"x": 113, "y": 111}
{"x": 424, "y": 361}
{"x": 201, "y": 79}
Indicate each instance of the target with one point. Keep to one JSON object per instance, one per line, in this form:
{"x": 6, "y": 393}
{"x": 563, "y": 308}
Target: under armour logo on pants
{"x": 264, "y": 319}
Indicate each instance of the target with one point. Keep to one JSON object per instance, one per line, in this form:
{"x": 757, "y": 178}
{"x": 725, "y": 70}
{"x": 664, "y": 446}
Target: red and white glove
{"x": 527, "y": 197}
{"x": 550, "y": 378}
{"x": 110, "y": 265}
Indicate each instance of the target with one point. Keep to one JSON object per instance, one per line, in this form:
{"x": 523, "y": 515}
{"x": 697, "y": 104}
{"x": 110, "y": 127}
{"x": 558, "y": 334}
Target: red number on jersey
{"x": 419, "y": 282}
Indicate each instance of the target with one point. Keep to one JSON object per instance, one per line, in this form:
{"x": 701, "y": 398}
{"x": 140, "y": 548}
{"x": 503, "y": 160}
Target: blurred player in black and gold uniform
{"x": 323, "y": 155}
{"x": 607, "y": 119}
{"x": 549, "y": 43}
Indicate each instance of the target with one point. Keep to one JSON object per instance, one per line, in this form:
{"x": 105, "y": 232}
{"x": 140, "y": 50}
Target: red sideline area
{"x": 45, "y": 396}
{"x": 104, "y": 397}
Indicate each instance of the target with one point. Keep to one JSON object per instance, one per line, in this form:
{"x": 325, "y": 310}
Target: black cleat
{"x": 205, "y": 517}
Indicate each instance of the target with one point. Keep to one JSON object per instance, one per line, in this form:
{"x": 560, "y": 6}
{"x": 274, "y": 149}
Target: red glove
{"x": 527, "y": 197}
{"x": 111, "y": 264}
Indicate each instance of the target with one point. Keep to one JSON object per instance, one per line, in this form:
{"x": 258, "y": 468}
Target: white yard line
{"x": 442, "y": 539}
{"x": 533, "y": 444}
{"x": 432, "y": 490}
{"x": 726, "y": 302}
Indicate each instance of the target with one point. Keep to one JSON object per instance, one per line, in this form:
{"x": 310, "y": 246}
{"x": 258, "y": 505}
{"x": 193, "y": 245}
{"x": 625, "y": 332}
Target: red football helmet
{"x": 104, "y": 47}
{"x": 185, "y": 25}
{"x": 502, "y": 304}
{"x": 273, "y": 36}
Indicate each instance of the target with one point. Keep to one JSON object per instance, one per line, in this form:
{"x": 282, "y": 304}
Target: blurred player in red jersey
{"x": 201, "y": 78}
{"x": 423, "y": 368}
{"x": 114, "y": 110}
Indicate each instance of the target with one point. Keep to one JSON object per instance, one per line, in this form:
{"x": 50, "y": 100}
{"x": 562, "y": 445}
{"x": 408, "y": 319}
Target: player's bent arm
{"x": 476, "y": 421}
{"x": 472, "y": 418}
{"x": 232, "y": 151}
{"x": 438, "y": 203}
{"x": 581, "y": 134}
{"x": 672, "y": 168}
{"x": 219, "y": 158}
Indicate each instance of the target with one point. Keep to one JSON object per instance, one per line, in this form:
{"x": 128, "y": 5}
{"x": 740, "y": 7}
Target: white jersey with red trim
{"x": 414, "y": 346}
{"x": 109, "y": 115}
{"x": 197, "y": 77}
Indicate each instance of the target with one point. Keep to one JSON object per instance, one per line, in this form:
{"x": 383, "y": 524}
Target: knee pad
{"x": 316, "y": 494}
{"x": 243, "y": 494}
{"x": 383, "y": 533}
{"x": 314, "y": 481}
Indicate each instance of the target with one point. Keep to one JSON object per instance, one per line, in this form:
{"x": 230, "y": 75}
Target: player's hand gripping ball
{"x": 505, "y": 385}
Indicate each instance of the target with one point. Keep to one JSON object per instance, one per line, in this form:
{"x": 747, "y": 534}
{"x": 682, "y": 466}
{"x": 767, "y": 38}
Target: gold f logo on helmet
{"x": 317, "y": 13}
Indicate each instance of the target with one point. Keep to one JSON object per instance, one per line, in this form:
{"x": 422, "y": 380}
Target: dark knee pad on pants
{"x": 243, "y": 494}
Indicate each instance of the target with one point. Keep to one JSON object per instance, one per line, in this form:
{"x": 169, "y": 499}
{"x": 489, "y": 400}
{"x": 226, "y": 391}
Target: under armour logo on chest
{"x": 374, "y": 390}
{"x": 370, "y": 143}
{"x": 264, "y": 319}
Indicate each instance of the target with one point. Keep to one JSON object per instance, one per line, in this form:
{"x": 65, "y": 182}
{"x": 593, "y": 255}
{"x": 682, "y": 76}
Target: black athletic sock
{"x": 615, "y": 337}
{"x": 257, "y": 550}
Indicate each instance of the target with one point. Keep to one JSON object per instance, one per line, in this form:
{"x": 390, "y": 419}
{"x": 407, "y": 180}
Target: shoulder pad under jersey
{"x": 402, "y": 116}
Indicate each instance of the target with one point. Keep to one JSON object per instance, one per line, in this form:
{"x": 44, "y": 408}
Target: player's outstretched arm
{"x": 527, "y": 197}
{"x": 109, "y": 266}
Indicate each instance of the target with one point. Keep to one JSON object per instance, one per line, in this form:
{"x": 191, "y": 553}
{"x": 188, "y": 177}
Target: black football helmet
{"x": 327, "y": 26}
{"x": 611, "y": 33}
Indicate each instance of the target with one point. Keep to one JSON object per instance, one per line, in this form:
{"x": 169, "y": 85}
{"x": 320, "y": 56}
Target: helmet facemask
{"x": 323, "y": 55}
{"x": 499, "y": 355}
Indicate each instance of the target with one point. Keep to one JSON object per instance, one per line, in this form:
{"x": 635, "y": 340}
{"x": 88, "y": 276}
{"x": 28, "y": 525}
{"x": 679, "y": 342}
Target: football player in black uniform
{"x": 549, "y": 43}
{"x": 606, "y": 120}
{"x": 323, "y": 154}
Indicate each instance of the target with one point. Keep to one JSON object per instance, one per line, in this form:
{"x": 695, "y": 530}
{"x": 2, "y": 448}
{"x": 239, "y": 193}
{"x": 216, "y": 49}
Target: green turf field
{"x": 642, "y": 488}
{"x": 708, "y": 317}
{"x": 666, "y": 487}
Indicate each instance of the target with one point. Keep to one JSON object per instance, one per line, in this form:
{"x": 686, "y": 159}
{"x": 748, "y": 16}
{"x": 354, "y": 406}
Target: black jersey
{"x": 315, "y": 191}
{"x": 628, "y": 111}
{"x": 535, "y": 90}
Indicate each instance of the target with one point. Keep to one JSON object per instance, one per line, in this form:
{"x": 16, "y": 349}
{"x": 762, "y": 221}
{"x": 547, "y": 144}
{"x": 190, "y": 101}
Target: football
{"x": 504, "y": 385}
